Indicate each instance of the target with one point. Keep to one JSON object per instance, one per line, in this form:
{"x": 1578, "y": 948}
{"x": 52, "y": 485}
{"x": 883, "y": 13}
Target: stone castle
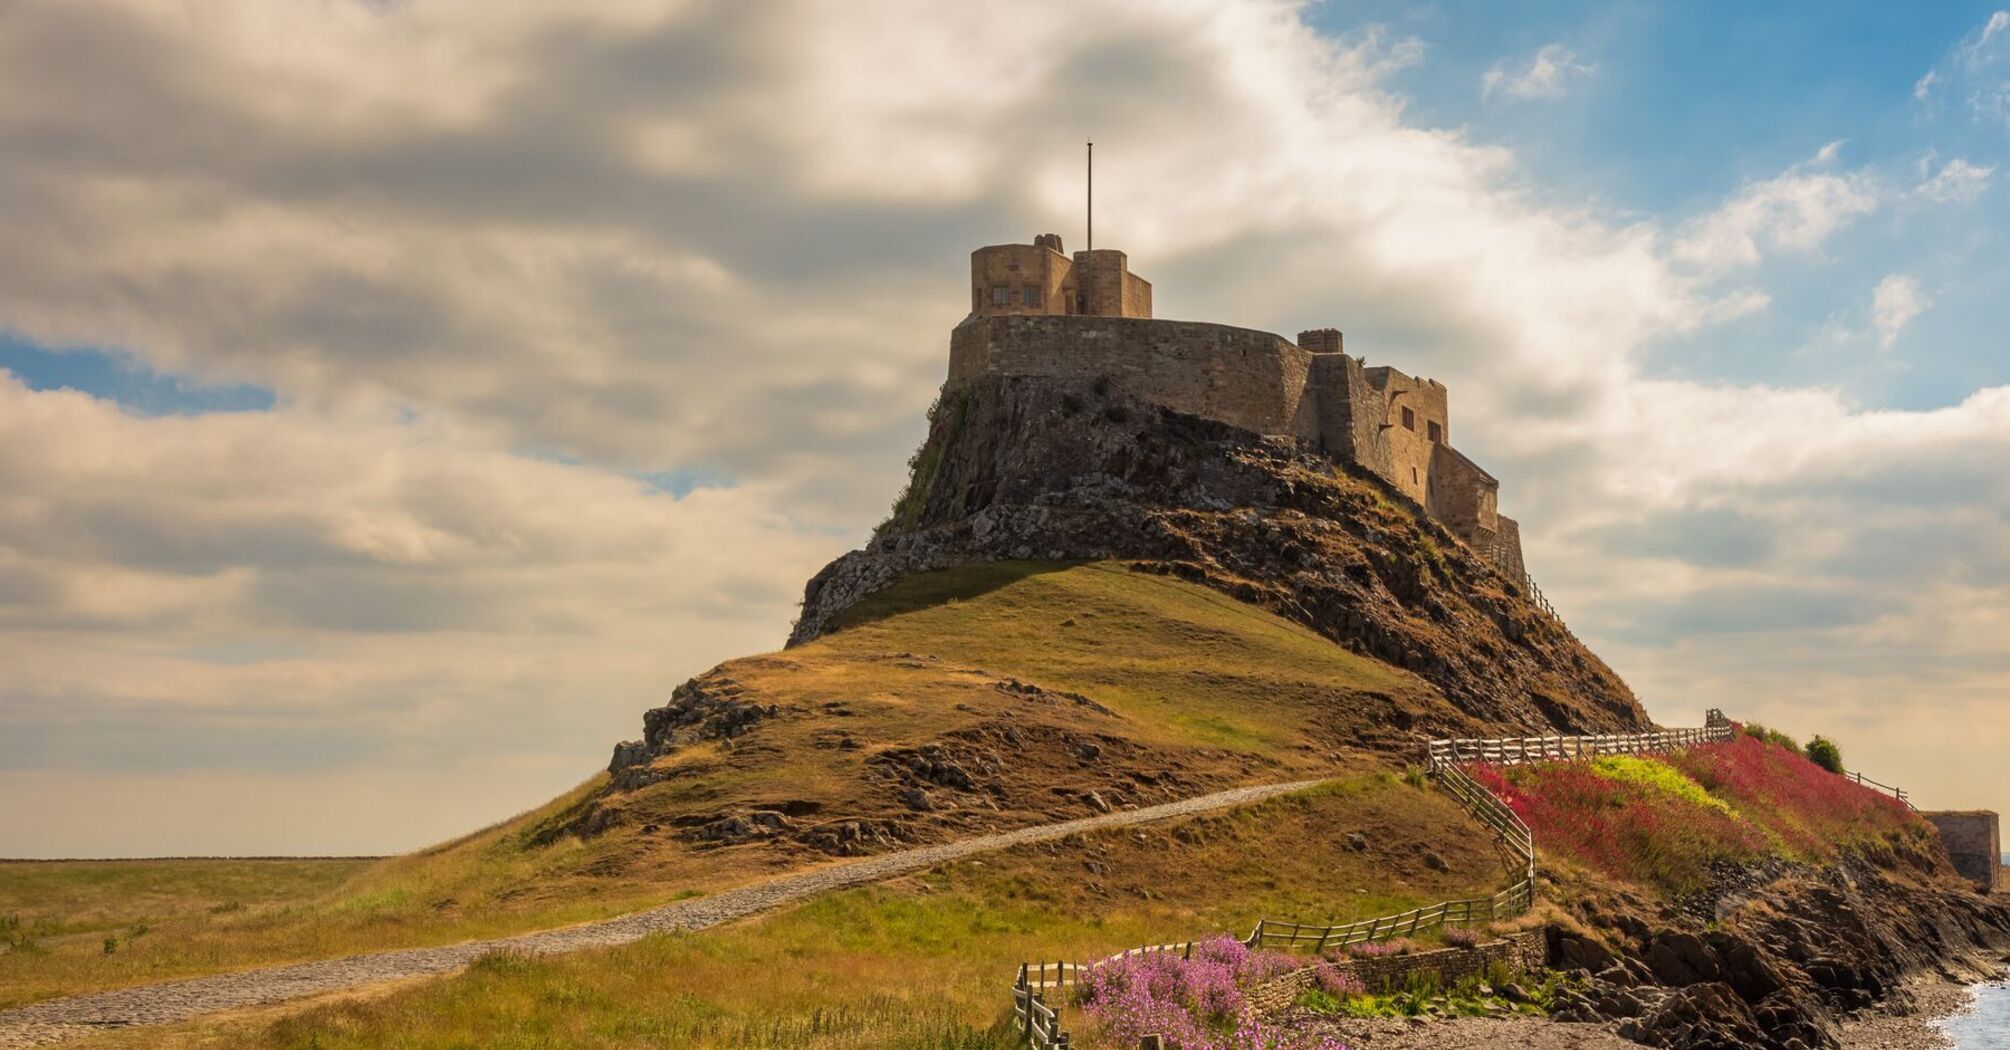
{"x": 1035, "y": 311}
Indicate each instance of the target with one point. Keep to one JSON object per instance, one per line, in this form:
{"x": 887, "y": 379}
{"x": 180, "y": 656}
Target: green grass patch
{"x": 1656, "y": 775}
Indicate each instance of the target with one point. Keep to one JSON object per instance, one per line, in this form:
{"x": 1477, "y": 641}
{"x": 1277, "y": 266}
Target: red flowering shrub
{"x": 1778, "y": 803}
{"x": 1623, "y": 828}
{"x": 1810, "y": 809}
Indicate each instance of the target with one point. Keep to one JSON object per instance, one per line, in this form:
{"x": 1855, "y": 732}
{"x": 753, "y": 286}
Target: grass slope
{"x": 924, "y": 961}
{"x": 1663, "y": 820}
{"x": 1203, "y": 692}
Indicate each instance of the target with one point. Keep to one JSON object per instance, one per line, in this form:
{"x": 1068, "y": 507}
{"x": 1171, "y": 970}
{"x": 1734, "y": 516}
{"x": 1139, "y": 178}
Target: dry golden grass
{"x": 924, "y": 961}
{"x": 1206, "y": 693}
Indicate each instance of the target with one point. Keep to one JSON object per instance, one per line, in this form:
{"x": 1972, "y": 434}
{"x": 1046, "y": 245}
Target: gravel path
{"x": 153, "y": 1004}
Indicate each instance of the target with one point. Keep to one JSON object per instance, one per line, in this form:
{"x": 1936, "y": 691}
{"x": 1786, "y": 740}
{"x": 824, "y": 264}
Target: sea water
{"x": 1985, "y": 1025}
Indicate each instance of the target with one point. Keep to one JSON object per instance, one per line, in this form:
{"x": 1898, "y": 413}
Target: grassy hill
{"x": 1129, "y": 687}
{"x": 920, "y": 962}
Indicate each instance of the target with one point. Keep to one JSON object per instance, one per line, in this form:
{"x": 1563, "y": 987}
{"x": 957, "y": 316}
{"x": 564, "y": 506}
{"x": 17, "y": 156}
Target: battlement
{"x": 1039, "y": 279}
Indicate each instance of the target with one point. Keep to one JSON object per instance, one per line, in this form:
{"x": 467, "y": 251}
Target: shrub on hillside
{"x": 1198, "y": 1003}
{"x": 1635, "y": 829}
{"x": 1462, "y": 937}
{"x": 1805, "y": 808}
{"x": 1772, "y": 736}
{"x": 1823, "y": 752}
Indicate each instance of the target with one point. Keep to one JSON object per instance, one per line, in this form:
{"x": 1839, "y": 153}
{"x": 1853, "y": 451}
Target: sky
{"x": 399, "y": 397}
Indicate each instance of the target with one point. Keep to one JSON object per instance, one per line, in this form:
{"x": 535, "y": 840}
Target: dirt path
{"x": 153, "y": 1004}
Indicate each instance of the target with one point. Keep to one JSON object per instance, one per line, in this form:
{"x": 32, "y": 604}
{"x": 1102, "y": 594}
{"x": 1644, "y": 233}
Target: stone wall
{"x": 1972, "y": 843}
{"x": 1417, "y": 423}
{"x": 1030, "y": 278}
{"x": 1037, "y": 280}
{"x": 1245, "y": 378}
{"x": 1394, "y": 425}
{"x": 1522, "y": 953}
{"x": 1464, "y": 497}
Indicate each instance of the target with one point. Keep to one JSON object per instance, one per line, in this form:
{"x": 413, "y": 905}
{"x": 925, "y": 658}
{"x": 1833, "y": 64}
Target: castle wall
{"x": 1507, "y": 542}
{"x": 1972, "y": 843}
{"x": 1463, "y": 496}
{"x": 1020, "y": 279}
{"x": 1250, "y": 379}
{"x": 1415, "y": 407}
{"x": 1378, "y": 418}
{"x": 1101, "y": 283}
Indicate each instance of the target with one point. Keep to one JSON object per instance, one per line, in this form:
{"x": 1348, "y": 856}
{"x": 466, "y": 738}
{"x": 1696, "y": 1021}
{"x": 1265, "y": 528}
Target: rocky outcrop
{"x": 1039, "y": 468}
{"x": 1785, "y": 960}
{"x": 708, "y": 707}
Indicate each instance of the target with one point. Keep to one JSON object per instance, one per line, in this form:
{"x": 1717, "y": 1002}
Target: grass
{"x": 1213, "y": 690}
{"x": 1663, "y": 820}
{"x": 923, "y": 962}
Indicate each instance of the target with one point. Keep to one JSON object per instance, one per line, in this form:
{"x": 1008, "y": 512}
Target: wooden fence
{"x": 1039, "y": 1020}
{"x": 1897, "y": 793}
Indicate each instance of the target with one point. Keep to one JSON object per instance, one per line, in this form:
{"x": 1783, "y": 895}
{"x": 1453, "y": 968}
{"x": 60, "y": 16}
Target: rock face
{"x": 1785, "y": 960}
{"x": 1045, "y": 468}
{"x": 705, "y": 708}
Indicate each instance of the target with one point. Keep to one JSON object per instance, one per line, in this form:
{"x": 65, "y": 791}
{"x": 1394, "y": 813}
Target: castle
{"x": 1037, "y": 312}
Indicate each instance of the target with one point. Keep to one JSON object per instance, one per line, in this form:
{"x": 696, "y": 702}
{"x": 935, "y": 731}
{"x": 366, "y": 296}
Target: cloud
{"x": 1895, "y": 302}
{"x": 1957, "y": 182}
{"x": 1547, "y": 76}
{"x": 1791, "y": 213}
{"x": 593, "y": 330}
{"x": 1975, "y": 71}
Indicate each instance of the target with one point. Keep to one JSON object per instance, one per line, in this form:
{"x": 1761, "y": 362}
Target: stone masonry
{"x": 1036, "y": 313}
{"x": 1520, "y": 953}
{"x": 1972, "y": 843}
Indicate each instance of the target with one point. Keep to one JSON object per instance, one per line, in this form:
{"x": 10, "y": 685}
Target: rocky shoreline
{"x": 1931, "y": 1000}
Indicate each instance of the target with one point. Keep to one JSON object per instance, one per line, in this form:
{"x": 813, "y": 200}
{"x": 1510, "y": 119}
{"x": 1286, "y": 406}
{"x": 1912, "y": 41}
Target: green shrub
{"x": 1823, "y": 752}
{"x": 1773, "y": 737}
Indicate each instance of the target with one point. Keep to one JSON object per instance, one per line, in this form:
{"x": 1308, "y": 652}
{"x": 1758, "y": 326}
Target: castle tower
{"x": 1039, "y": 279}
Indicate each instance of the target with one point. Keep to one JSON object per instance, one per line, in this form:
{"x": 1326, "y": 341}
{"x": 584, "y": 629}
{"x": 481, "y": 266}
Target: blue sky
{"x": 1681, "y": 103}
{"x": 461, "y": 378}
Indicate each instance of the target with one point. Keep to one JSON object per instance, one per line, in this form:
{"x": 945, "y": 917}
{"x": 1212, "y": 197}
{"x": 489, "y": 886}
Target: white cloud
{"x": 1958, "y": 181}
{"x": 1792, "y": 213}
{"x": 730, "y": 239}
{"x": 1977, "y": 71}
{"x": 1895, "y": 302}
{"x": 1547, "y": 76}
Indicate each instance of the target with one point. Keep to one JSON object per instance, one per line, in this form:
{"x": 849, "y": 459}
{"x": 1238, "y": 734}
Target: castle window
{"x": 1409, "y": 419}
{"x": 1030, "y": 295}
{"x": 1001, "y": 296}
{"x": 1437, "y": 433}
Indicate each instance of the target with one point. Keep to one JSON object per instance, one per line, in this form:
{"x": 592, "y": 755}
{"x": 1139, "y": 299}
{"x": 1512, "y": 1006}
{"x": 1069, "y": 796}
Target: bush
{"x": 1772, "y": 736}
{"x": 1823, "y": 752}
{"x": 1462, "y": 937}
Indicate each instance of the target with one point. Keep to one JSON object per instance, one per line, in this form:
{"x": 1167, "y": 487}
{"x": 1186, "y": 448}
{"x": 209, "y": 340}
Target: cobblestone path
{"x": 153, "y": 1004}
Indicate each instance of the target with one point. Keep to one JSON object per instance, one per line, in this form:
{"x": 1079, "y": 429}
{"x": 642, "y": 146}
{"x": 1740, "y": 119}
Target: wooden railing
{"x": 1513, "y": 750}
{"x": 1897, "y": 793}
{"x": 1039, "y": 1021}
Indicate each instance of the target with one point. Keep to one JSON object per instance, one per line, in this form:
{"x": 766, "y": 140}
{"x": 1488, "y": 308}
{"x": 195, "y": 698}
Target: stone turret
{"x": 1040, "y": 279}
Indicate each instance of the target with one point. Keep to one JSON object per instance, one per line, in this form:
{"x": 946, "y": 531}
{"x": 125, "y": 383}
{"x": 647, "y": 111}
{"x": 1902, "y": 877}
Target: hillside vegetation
{"x": 926, "y": 961}
{"x": 1665, "y": 820}
{"x": 1119, "y": 687}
